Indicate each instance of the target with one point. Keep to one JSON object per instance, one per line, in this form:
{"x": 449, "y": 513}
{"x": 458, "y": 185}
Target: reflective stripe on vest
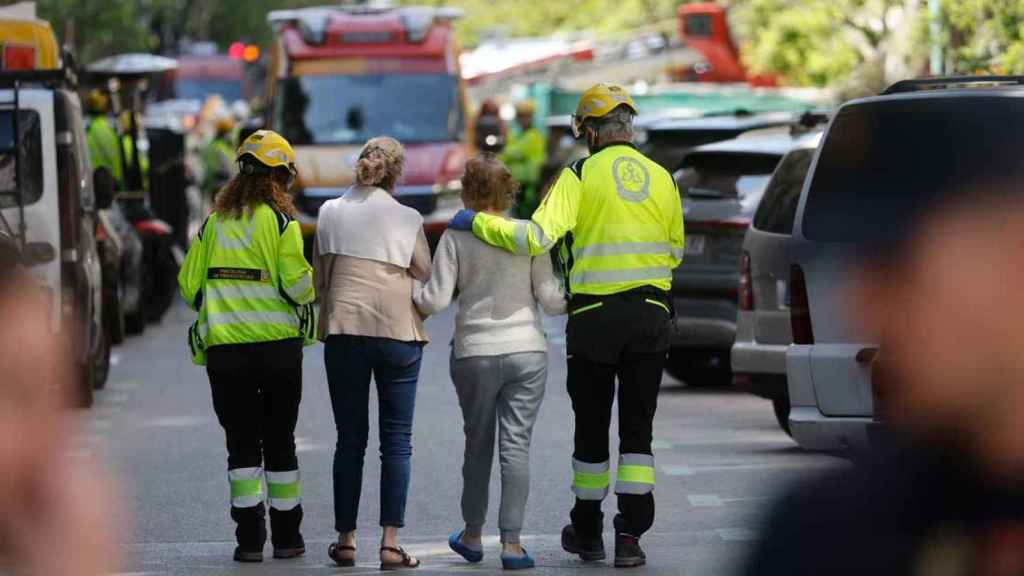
{"x": 251, "y": 291}
{"x": 590, "y": 481}
{"x": 246, "y": 486}
{"x": 284, "y": 491}
{"x": 215, "y": 319}
{"x": 635, "y": 474}
{"x": 298, "y": 290}
{"x": 626, "y": 275}
{"x": 621, "y": 248}
{"x": 526, "y": 228}
{"x": 241, "y": 236}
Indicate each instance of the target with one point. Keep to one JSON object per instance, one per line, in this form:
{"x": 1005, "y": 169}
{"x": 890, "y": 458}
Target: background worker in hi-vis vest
{"x": 246, "y": 275}
{"x": 622, "y": 222}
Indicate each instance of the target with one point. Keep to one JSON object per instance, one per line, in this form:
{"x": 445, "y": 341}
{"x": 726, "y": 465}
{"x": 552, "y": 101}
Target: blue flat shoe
{"x": 523, "y": 562}
{"x": 461, "y": 549}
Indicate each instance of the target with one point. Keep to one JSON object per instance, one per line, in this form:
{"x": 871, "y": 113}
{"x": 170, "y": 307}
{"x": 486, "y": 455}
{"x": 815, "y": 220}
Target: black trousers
{"x": 626, "y": 338}
{"x": 256, "y": 393}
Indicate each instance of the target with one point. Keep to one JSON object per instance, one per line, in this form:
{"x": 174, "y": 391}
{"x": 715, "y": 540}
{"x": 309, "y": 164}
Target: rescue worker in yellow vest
{"x": 524, "y": 155}
{"x": 246, "y": 275}
{"x": 102, "y": 136}
{"x": 218, "y": 157}
{"x": 129, "y": 150}
{"x": 622, "y": 222}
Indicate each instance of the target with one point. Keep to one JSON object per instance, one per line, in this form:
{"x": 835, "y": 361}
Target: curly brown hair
{"x": 246, "y": 191}
{"x": 487, "y": 184}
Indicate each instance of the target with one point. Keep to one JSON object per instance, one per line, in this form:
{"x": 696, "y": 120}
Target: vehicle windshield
{"x": 202, "y": 88}
{"x": 902, "y": 155}
{"x": 31, "y": 158}
{"x": 725, "y": 175}
{"x": 777, "y": 210}
{"x": 351, "y": 109}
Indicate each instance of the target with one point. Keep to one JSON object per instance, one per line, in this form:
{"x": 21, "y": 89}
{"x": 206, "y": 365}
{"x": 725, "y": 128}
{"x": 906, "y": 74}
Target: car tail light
{"x": 799, "y": 309}
{"x": 738, "y": 224}
{"x": 746, "y": 291}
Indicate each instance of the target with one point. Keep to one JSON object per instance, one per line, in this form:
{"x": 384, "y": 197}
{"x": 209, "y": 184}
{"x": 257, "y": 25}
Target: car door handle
{"x": 867, "y": 355}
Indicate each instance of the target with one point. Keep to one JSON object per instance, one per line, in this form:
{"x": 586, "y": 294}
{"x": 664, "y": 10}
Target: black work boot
{"x": 588, "y": 549}
{"x": 628, "y": 553}
{"x": 251, "y": 533}
{"x": 285, "y": 535}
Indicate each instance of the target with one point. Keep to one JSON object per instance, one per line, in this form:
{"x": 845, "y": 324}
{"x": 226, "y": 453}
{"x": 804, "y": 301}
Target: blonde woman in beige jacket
{"x": 369, "y": 250}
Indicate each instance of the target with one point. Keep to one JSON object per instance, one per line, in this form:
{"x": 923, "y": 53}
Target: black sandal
{"x": 334, "y": 552}
{"x": 407, "y": 561}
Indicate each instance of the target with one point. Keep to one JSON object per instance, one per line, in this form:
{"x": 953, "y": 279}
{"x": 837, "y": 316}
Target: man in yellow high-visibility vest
{"x": 524, "y": 155}
{"x": 621, "y": 218}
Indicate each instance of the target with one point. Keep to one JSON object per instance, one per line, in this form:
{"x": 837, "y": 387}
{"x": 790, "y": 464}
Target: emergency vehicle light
{"x": 19, "y": 57}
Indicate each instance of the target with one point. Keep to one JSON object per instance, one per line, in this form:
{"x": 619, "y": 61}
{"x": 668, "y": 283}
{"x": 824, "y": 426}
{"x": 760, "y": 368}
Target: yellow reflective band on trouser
{"x": 590, "y": 277}
{"x": 283, "y": 490}
{"x": 635, "y": 475}
{"x": 590, "y": 481}
{"x": 524, "y": 229}
{"x": 246, "y": 486}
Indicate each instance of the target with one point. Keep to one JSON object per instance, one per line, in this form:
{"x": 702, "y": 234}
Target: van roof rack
{"x": 936, "y": 83}
{"x": 56, "y": 78}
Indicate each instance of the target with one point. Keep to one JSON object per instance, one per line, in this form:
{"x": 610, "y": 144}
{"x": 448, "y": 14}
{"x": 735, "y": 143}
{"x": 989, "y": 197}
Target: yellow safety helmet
{"x": 224, "y": 124}
{"x": 526, "y": 108}
{"x": 598, "y": 102}
{"x": 268, "y": 148}
{"x": 97, "y": 101}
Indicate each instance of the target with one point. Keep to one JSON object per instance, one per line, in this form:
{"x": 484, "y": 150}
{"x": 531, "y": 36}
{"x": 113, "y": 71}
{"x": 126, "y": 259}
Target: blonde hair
{"x": 487, "y": 184}
{"x": 380, "y": 163}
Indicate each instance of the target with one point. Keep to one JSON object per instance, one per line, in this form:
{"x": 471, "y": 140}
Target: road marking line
{"x": 737, "y": 534}
{"x": 177, "y": 422}
{"x": 712, "y": 500}
{"x": 673, "y": 470}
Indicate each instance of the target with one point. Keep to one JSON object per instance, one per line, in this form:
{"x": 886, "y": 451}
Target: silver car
{"x": 762, "y": 328}
{"x": 721, "y": 185}
{"x": 883, "y": 161}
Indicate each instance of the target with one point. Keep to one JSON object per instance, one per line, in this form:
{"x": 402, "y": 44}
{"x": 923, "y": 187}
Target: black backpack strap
{"x": 203, "y": 228}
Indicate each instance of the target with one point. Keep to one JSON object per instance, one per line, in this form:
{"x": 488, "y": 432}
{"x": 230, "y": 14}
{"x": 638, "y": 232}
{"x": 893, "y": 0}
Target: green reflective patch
{"x": 241, "y": 488}
{"x": 590, "y": 481}
{"x": 638, "y": 474}
{"x": 283, "y": 491}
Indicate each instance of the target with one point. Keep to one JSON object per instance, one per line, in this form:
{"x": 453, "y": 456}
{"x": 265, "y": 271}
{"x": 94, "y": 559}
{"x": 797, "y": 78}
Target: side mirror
{"x": 103, "y": 188}
{"x": 36, "y": 253}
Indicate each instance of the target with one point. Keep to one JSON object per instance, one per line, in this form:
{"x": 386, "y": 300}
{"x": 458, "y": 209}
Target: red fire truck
{"x": 705, "y": 28}
{"x": 343, "y": 74}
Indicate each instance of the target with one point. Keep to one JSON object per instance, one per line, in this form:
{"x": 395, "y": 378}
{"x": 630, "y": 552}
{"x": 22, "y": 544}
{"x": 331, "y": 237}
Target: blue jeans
{"x": 395, "y": 366}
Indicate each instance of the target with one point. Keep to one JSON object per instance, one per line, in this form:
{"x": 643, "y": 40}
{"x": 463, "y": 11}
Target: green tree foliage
{"x": 817, "y": 42}
{"x": 546, "y": 17}
{"x": 983, "y": 35}
{"x": 101, "y": 27}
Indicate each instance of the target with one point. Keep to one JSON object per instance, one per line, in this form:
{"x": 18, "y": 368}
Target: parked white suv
{"x": 882, "y": 160}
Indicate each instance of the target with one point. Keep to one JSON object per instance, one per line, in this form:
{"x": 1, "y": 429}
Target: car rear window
{"x": 883, "y": 162}
{"x": 725, "y": 174}
{"x": 777, "y": 209}
{"x": 31, "y": 158}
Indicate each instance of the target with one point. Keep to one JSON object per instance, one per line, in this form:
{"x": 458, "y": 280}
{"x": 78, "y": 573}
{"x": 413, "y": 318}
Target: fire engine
{"x": 705, "y": 28}
{"x": 343, "y": 74}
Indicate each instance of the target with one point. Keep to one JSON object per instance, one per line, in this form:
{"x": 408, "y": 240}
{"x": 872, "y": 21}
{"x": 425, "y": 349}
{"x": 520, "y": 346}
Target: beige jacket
{"x": 362, "y": 288}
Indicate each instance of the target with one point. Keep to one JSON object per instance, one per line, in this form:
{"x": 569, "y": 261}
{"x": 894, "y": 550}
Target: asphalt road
{"x": 720, "y": 458}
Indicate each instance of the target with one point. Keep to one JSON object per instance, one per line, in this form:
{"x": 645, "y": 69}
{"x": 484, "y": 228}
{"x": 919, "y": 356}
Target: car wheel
{"x": 135, "y": 321}
{"x": 82, "y": 395}
{"x": 114, "y": 325}
{"x": 695, "y": 370}
{"x": 101, "y": 363}
{"x": 781, "y": 405}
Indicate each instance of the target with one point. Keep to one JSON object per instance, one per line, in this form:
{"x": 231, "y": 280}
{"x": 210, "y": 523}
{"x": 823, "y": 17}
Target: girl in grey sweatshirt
{"x": 499, "y": 357}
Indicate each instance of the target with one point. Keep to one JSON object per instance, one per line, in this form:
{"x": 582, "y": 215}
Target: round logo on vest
{"x": 632, "y": 179}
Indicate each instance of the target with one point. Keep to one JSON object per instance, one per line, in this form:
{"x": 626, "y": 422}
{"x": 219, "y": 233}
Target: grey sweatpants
{"x": 502, "y": 392}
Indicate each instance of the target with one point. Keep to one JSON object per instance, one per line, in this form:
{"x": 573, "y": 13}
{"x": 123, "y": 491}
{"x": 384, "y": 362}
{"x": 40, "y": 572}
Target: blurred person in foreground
{"x": 947, "y": 497}
{"x": 58, "y": 514}
{"x": 524, "y": 155}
